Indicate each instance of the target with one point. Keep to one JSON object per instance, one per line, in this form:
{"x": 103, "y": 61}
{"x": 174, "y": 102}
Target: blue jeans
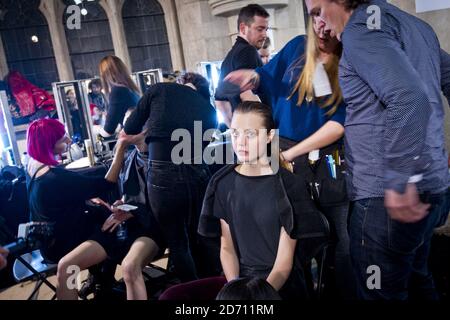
{"x": 176, "y": 195}
{"x": 400, "y": 250}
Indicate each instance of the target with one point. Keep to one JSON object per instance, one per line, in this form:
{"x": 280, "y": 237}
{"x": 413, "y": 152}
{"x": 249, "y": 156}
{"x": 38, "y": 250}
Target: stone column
{"x": 4, "y": 70}
{"x": 53, "y": 11}
{"x": 204, "y": 36}
{"x": 113, "y": 9}
{"x": 173, "y": 33}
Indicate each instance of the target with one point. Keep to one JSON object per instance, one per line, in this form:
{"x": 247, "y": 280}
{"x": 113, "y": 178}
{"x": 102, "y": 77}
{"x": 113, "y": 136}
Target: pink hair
{"x": 41, "y": 140}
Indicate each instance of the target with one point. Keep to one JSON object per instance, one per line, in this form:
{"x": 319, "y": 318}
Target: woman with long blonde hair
{"x": 301, "y": 84}
{"x": 123, "y": 94}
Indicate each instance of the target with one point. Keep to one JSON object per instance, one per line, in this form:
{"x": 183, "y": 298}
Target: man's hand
{"x": 246, "y": 79}
{"x": 406, "y": 207}
{"x": 3, "y": 255}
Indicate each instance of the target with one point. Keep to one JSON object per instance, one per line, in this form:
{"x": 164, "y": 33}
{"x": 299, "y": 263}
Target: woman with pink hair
{"x": 58, "y": 195}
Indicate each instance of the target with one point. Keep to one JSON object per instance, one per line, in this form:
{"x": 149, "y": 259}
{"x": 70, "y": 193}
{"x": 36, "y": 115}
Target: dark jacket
{"x": 298, "y": 214}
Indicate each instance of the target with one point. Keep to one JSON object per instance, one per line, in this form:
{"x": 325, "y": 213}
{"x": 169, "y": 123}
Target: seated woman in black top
{"x": 135, "y": 250}
{"x": 255, "y": 218}
{"x": 58, "y": 195}
{"x": 175, "y": 190}
{"x": 122, "y": 92}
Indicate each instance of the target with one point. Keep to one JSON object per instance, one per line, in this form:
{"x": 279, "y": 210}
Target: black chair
{"x": 312, "y": 231}
{"x": 32, "y": 267}
{"x": 29, "y": 263}
{"x": 312, "y": 245}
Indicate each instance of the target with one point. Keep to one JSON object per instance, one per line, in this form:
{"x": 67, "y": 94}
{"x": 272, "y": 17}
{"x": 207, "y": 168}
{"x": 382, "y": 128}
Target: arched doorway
{"x": 146, "y": 34}
{"x": 27, "y": 42}
{"x": 89, "y": 44}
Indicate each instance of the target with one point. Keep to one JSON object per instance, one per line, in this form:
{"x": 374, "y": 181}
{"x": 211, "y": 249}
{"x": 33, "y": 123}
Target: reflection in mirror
{"x": 73, "y": 110}
{"x": 148, "y": 78}
{"x": 97, "y": 102}
{"x": 73, "y": 113}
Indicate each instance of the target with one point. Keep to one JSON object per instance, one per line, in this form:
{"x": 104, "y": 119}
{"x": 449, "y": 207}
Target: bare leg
{"x": 141, "y": 253}
{"x": 85, "y": 255}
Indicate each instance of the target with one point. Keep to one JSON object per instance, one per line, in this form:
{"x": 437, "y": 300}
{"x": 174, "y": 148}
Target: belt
{"x": 160, "y": 150}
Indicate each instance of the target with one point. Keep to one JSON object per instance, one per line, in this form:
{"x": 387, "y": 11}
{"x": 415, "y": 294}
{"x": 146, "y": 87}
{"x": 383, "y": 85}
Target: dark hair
{"x": 248, "y": 13}
{"x": 260, "y": 108}
{"x": 95, "y": 82}
{"x": 199, "y": 82}
{"x": 351, "y": 4}
{"x": 266, "y": 43}
{"x": 248, "y": 289}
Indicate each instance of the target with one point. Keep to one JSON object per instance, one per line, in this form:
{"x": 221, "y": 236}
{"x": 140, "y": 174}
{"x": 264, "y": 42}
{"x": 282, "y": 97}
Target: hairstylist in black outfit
{"x": 176, "y": 190}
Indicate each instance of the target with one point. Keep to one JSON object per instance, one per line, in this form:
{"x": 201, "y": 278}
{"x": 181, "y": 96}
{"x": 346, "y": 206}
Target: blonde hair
{"x": 114, "y": 72}
{"x": 304, "y": 85}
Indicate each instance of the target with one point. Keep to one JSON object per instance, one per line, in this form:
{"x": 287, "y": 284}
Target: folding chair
{"x": 29, "y": 263}
{"x": 31, "y": 266}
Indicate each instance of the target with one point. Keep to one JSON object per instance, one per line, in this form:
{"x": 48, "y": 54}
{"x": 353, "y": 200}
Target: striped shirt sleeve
{"x": 379, "y": 60}
{"x": 445, "y": 74}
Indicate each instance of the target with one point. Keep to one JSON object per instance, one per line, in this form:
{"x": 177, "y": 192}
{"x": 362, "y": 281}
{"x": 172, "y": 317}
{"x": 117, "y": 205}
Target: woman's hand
{"x": 286, "y": 161}
{"x": 127, "y": 139}
{"x": 246, "y": 79}
{"x": 115, "y": 219}
{"x": 117, "y": 203}
{"x": 100, "y": 202}
{"x": 121, "y": 215}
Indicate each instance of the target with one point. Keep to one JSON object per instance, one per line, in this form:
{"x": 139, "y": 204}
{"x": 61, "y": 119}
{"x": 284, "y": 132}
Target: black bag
{"x": 325, "y": 190}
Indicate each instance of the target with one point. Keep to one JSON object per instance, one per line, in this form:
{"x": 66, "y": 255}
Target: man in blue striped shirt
{"x": 392, "y": 73}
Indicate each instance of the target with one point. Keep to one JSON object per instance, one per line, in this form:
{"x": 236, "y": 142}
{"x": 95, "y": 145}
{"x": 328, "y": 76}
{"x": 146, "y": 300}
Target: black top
{"x": 166, "y": 107}
{"x": 120, "y": 100}
{"x": 5, "y": 189}
{"x": 250, "y": 206}
{"x": 241, "y": 56}
{"x": 59, "y": 196}
{"x": 298, "y": 214}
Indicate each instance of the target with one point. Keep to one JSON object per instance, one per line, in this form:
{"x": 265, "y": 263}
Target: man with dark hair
{"x": 253, "y": 22}
{"x": 96, "y": 95}
{"x": 392, "y": 73}
{"x": 247, "y": 16}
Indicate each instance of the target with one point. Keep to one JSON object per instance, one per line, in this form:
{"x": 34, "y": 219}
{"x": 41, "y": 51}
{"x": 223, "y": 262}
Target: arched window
{"x": 146, "y": 34}
{"x": 89, "y": 44}
{"x": 27, "y": 42}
